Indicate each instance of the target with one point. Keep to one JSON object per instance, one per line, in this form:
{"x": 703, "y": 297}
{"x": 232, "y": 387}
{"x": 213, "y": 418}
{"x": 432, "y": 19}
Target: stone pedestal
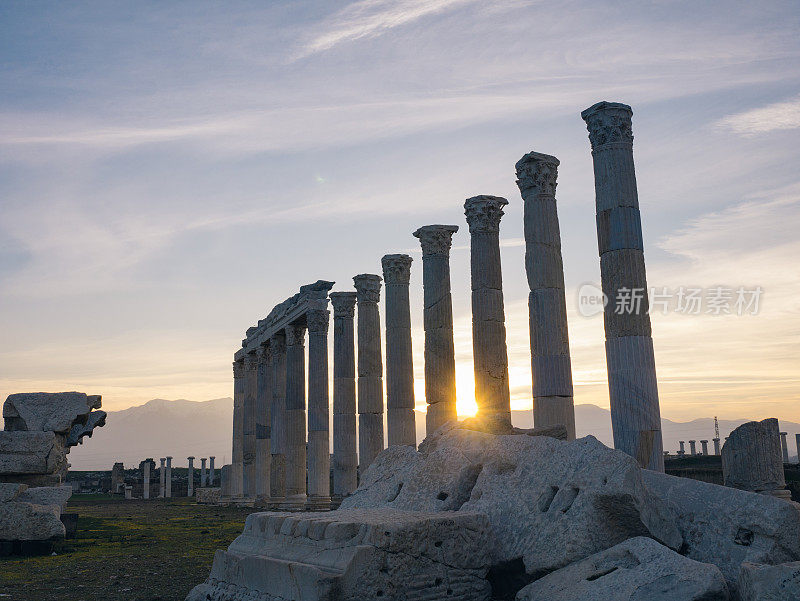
{"x": 319, "y": 457}
{"x": 168, "y": 489}
{"x": 203, "y": 476}
{"x": 236, "y": 478}
{"x": 370, "y": 369}
{"x": 550, "y": 359}
{"x": 162, "y": 479}
{"x": 190, "y": 478}
{"x": 211, "y": 478}
{"x": 249, "y": 425}
{"x": 277, "y": 344}
{"x": 263, "y": 456}
{"x": 488, "y": 316}
{"x": 345, "y": 458}
{"x": 440, "y": 363}
{"x": 633, "y": 389}
{"x": 400, "y": 419}
{"x": 146, "y": 480}
{"x": 752, "y": 459}
{"x": 295, "y": 417}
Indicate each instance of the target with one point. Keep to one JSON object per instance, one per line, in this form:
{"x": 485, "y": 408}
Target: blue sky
{"x": 169, "y": 172}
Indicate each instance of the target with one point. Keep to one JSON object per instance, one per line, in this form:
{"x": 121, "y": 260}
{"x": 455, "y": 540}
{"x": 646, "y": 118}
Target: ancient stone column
{"x": 277, "y": 344}
{"x": 295, "y": 417}
{"x": 190, "y": 478}
{"x": 237, "y": 455}
{"x": 784, "y": 448}
{"x": 488, "y": 316}
{"x": 370, "y": 369}
{"x": 633, "y": 388}
{"x": 203, "y": 476}
{"x": 263, "y": 458}
{"x": 440, "y": 362}
{"x": 400, "y": 419}
{"x": 162, "y": 481}
{"x": 168, "y": 489}
{"x": 716, "y": 446}
{"x": 251, "y": 361}
{"x": 146, "y": 480}
{"x": 683, "y": 447}
{"x": 797, "y": 440}
{"x": 751, "y": 459}
{"x": 704, "y": 444}
{"x": 345, "y": 458}
{"x": 211, "y": 470}
{"x": 319, "y": 454}
{"x": 547, "y": 305}
{"x": 692, "y": 448}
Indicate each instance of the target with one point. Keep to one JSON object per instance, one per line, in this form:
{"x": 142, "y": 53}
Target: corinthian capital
{"x": 436, "y": 239}
{"x": 537, "y": 174}
{"x": 608, "y": 123}
{"x": 317, "y": 320}
{"x": 484, "y": 213}
{"x": 264, "y": 354}
{"x": 344, "y": 304}
{"x": 368, "y": 287}
{"x": 251, "y": 361}
{"x": 295, "y": 335}
{"x": 238, "y": 369}
{"x": 277, "y": 343}
{"x": 396, "y": 269}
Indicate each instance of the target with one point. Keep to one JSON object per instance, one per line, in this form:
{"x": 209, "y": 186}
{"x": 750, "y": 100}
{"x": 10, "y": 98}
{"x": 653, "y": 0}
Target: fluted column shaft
{"x": 345, "y": 459}
{"x": 319, "y": 455}
{"x": 440, "y": 362}
{"x": 203, "y": 473}
{"x": 162, "y": 480}
{"x": 488, "y": 315}
{"x": 190, "y": 478}
{"x": 784, "y": 448}
{"x": 211, "y": 471}
{"x": 633, "y": 388}
{"x": 547, "y": 307}
{"x": 370, "y": 370}
{"x": 295, "y": 416}
{"x": 277, "y": 344}
{"x": 692, "y": 447}
{"x": 263, "y": 458}
{"x": 400, "y": 419}
{"x": 249, "y": 426}
{"x": 237, "y": 455}
{"x": 146, "y": 480}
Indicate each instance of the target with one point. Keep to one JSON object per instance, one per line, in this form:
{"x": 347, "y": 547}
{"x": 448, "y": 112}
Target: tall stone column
{"x": 440, "y": 361}
{"x": 168, "y": 489}
{"x": 633, "y": 388}
{"x": 277, "y": 344}
{"x": 146, "y": 480}
{"x": 203, "y": 476}
{"x": 547, "y": 306}
{"x": 370, "y": 369}
{"x": 716, "y": 446}
{"x": 295, "y": 417}
{"x": 162, "y": 480}
{"x": 249, "y": 425}
{"x": 784, "y": 448}
{"x": 319, "y": 454}
{"x": 797, "y": 440}
{"x": 190, "y": 478}
{"x": 263, "y": 458}
{"x": 399, "y": 362}
{"x": 345, "y": 458}
{"x": 237, "y": 455}
{"x": 488, "y": 316}
{"x": 211, "y": 470}
{"x": 683, "y": 448}
{"x": 692, "y": 448}
{"x": 704, "y": 444}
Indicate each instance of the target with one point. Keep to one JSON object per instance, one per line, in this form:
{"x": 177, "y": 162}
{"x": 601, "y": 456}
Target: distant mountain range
{"x": 182, "y": 428}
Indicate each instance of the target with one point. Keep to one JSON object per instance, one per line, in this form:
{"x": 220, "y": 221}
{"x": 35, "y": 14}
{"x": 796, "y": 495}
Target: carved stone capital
{"x": 317, "y": 320}
{"x": 368, "y": 287}
{"x": 295, "y": 334}
{"x": 344, "y": 304}
{"x": 608, "y": 123}
{"x": 537, "y": 174}
{"x": 484, "y": 213}
{"x": 251, "y": 361}
{"x": 436, "y": 239}
{"x": 264, "y": 354}
{"x": 277, "y": 343}
{"x": 396, "y": 269}
{"x": 238, "y": 369}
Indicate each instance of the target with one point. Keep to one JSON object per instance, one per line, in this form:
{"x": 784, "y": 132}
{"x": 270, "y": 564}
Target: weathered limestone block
{"x": 759, "y": 582}
{"x": 48, "y": 412}
{"x": 96, "y": 419}
{"x": 639, "y": 569}
{"x": 10, "y": 491}
{"x": 353, "y": 556}
{"x": 726, "y": 527}
{"x": 31, "y": 453}
{"x": 751, "y": 458}
{"x": 26, "y": 522}
{"x": 47, "y": 495}
{"x": 208, "y": 496}
{"x": 549, "y": 502}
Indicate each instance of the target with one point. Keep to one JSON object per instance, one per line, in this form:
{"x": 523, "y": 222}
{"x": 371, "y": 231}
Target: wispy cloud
{"x": 773, "y": 117}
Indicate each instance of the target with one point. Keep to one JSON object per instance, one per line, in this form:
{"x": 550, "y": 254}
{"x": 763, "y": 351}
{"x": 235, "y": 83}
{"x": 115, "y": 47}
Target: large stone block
{"x": 549, "y": 502}
{"x": 47, "y": 495}
{"x": 759, "y": 582}
{"x": 29, "y": 522}
{"x": 625, "y": 286}
{"x": 639, "y": 569}
{"x": 752, "y": 457}
{"x": 48, "y": 412}
{"x": 31, "y": 453}
{"x": 727, "y": 527}
{"x": 10, "y": 491}
{"x": 353, "y": 556}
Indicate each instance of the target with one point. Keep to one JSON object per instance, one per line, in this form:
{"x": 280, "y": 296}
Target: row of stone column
{"x": 165, "y": 477}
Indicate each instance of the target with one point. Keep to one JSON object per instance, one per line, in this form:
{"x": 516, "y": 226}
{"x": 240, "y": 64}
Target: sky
{"x": 171, "y": 171}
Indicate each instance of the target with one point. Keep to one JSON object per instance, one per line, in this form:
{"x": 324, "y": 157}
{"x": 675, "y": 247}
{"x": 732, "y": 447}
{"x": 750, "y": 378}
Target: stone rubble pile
{"x": 39, "y": 430}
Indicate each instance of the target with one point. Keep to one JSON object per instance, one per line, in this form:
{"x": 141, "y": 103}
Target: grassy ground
{"x": 153, "y": 550}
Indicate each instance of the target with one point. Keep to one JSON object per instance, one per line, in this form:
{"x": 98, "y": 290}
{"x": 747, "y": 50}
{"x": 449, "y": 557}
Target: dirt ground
{"x": 153, "y": 550}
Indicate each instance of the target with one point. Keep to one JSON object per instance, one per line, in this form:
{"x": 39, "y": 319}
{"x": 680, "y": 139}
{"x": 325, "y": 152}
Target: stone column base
{"x": 318, "y": 504}
{"x": 781, "y": 493}
{"x": 293, "y": 503}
